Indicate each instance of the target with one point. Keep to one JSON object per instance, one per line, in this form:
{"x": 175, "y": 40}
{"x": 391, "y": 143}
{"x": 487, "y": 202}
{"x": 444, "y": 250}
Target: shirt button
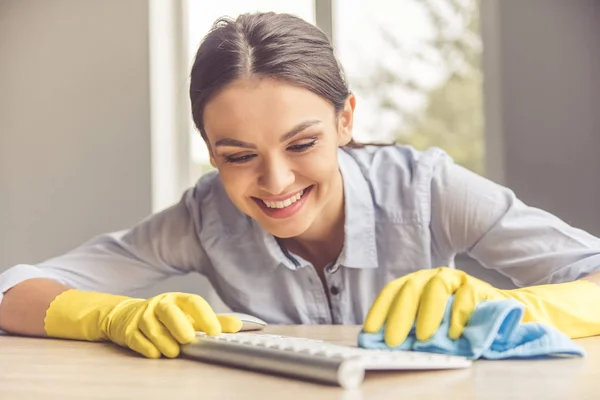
{"x": 334, "y": 290}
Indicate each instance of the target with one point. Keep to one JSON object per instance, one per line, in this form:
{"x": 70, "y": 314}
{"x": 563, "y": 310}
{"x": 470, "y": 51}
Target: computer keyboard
{"x": 310, "y": 359}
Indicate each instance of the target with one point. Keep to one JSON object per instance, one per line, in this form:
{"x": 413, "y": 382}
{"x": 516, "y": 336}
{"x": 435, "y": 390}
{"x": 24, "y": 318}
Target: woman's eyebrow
{"x": 293, "y": 132}
{"x": 299, "y": 128}
{"x": 234, "y": 143}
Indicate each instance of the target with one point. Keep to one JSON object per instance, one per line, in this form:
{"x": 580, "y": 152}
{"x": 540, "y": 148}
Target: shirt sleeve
{"x": 471, "y": 214}
{"x": 164, "y": 244}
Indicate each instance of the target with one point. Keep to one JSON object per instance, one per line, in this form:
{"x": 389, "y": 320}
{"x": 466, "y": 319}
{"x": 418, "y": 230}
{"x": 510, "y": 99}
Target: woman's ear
{"x": 346, "y": 121}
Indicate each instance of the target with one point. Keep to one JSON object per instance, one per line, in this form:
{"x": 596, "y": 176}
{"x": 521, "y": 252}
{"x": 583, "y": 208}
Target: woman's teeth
{"x": 285, "y": 203}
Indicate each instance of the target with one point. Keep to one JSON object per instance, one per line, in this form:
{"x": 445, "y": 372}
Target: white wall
{"x": 74, "y": 123}
{"x": 74, "y": 126}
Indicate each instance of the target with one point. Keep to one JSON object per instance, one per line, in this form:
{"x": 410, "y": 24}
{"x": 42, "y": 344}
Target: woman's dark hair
{"x": 278, "y": 46}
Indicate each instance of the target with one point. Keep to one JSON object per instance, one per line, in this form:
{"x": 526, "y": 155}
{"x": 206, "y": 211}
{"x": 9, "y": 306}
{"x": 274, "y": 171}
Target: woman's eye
{"x": 298, "y": 148}
{"x": 302, "y": 147}
{"x": 240, "y": 159}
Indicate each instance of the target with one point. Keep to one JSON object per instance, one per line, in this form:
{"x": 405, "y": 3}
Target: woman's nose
{"x": 276, "y": 176}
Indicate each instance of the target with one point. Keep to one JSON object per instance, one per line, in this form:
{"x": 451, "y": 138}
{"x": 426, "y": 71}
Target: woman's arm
{"x": 474, "y": 215}
{"x": 24, "y": 306}
{"x": 593, "y": 278}
{"x": 162, "y": 245}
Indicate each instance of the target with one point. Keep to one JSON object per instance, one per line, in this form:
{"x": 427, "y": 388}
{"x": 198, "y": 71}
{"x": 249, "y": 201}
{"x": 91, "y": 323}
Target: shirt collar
{"x": 279, "y": 253}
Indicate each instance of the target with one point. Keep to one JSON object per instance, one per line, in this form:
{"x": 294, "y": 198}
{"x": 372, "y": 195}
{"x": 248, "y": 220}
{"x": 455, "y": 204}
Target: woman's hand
{"x": 160, "y": 324}
{"x": 152, "y": 327}
{"x": 419, "y": 299}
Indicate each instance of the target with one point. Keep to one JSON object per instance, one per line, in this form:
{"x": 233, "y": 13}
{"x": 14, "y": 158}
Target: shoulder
{"x": 375, "y": 159}
{"x": 207, "y": 185}
{"x": 398, "y": 165}
{"x": 399, "y": 177}
{"x": 212, "y": 205}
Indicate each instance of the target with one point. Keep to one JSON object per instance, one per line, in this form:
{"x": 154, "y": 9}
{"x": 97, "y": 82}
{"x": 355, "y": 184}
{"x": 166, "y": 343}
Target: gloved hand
{"x": 573, "y": 307}
{"x": 150, "y": 327}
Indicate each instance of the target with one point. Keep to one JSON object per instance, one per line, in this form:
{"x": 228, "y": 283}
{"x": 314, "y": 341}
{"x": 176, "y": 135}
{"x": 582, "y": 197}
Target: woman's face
{"x": 275, "y": 146}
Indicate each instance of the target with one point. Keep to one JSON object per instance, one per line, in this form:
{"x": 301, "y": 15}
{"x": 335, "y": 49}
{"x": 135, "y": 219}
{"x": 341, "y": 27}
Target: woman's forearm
{"x": 23, "y": 309}
{"x": 593, "y": 278}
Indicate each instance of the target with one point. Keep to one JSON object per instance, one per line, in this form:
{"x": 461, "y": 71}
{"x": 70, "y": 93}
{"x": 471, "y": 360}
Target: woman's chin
{"x": 285, "y": 229}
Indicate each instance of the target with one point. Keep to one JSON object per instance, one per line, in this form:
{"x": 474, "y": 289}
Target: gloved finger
{"x": 191, "y": 320}
{"x": 175, "y": 320}
{"x": 159, "y": 335}
{"x": 403, "y": 310}
{"x": 466, "y": 300}
{"x": 204, "y": 317}
{"x": 380, "y": 309}
{"x": 140, "y": 344}
{"x": 434, "y": 300}
{"x": 229, "y": 323}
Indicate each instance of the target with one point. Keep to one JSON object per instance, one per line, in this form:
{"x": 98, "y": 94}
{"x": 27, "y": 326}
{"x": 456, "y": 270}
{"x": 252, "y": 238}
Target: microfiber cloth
{"x": 493, "y": 332}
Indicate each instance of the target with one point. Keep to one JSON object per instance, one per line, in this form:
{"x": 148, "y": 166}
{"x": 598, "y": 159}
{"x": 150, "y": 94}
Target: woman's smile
{"x": 283, "y": 206}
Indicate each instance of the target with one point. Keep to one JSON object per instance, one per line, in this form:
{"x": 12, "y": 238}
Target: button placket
{"x": 334, "y": 286}
{"x": 323, "y": 314}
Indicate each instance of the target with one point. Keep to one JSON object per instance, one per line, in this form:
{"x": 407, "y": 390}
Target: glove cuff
{"x": 572, "y": 307}
{"x": 77, "y": 314}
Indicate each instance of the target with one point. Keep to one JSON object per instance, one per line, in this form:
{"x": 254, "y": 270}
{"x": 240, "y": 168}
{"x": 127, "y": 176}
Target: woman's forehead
{"x": 263, "y": 105}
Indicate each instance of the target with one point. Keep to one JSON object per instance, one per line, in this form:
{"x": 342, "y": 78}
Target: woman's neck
{"x": 322, "y": 243}
{"x": 320, "y": 253}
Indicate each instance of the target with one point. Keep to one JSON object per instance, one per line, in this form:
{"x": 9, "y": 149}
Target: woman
{"x": 301, "y": 225}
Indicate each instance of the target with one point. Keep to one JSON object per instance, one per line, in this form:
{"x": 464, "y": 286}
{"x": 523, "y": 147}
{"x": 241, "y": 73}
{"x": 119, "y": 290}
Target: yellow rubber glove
{"x": 573, "y": 307}
{"x": 150, "y": 327}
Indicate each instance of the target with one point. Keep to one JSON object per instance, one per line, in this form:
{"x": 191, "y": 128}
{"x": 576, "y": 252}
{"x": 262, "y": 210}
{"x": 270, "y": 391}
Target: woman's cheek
{"x": 320, "y": 167}
{"x": 237, "y": 179}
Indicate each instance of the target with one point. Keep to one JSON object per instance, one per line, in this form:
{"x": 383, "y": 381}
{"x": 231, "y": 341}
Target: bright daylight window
{"x": 414, "y": 65}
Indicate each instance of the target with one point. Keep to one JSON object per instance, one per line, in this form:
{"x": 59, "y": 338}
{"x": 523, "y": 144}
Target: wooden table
{"x": 60, "y": 369}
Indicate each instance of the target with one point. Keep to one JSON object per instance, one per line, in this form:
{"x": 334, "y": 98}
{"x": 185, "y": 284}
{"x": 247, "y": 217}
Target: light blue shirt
{"x": 405, "y": 210}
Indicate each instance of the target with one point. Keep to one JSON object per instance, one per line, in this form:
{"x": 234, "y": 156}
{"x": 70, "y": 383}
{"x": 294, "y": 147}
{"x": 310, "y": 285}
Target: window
{"x": 415, "y": 67}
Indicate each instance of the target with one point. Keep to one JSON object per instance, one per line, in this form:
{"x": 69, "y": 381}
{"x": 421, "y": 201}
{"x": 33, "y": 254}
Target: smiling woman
{"x": 295, "y": 226}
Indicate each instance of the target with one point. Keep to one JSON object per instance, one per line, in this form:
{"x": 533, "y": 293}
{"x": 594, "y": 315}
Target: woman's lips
{"x": 285, "y": 212}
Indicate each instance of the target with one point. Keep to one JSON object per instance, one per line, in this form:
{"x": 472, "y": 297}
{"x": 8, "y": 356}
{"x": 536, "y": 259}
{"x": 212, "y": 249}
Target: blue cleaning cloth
{"x": 494, "y": 331}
